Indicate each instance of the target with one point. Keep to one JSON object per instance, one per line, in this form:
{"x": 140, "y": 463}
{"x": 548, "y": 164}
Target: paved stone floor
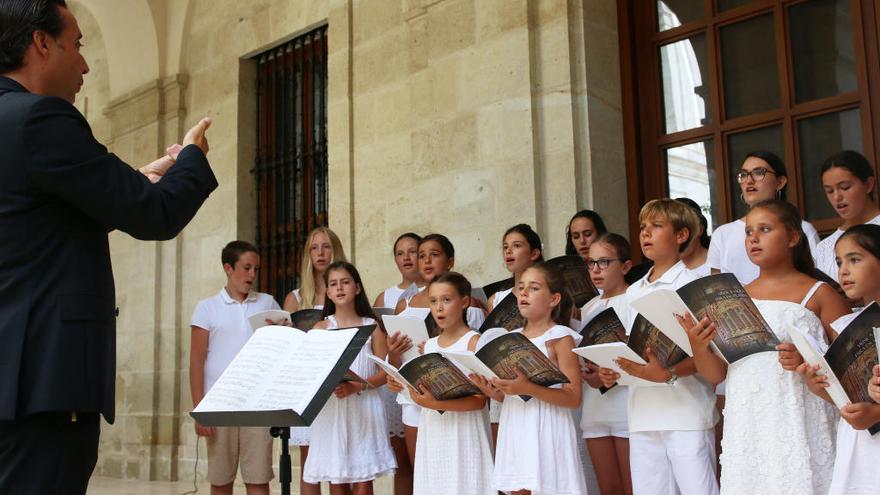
{"x": 111, "y": 486}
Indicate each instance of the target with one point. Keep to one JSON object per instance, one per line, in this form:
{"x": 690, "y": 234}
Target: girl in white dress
{"x": 761, "y": 177}
{"x": 322, "y": 248}
{"x": 849, "y": 183}
{"x": 603, "y": 416}
{"x": 436, "y": 256}
{"x": 778, "y": 437}
{"x": 453, "y": 453}
{"x": 406, "y": 257}
{"x": 855, "y": 463}
{"x": 537, "y": 446}
{"x": 349, "y": 445}
{"x": 521, "y": 248}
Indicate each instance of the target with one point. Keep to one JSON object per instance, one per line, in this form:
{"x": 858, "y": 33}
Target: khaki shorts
{"x": 229, "y": 444}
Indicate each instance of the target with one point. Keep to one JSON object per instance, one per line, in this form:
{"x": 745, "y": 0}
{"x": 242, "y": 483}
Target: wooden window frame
{"x": 641, "y": 88}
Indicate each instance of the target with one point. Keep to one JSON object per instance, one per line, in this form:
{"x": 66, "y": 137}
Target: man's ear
{"x": 41, "y": 41}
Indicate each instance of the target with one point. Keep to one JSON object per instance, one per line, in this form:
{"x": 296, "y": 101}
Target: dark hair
{"x": 361, "y": 304}
{"x": 775, "y": 163}
{"x": 405, "y": 235}
{"x": 704, "y": 235}
{"x": 616, "y": 241}
{"x": 851, "y": 160}
{"x": 531, "y": 236}
{"x": 589, "y": 215}
{"x": 790, "y": 217}
{"x": 444, "y": 242}
{"x": 866, "y": 235}
{"x": 233, "y": 251}
{"x": 459, "y": 282}
{"x": 19, "y": 19}
{"x": 556, "y": 284}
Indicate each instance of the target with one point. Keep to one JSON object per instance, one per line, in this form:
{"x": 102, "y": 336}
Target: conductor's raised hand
{"x": 196, "y": 135}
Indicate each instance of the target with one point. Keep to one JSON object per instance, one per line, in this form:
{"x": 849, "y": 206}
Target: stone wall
{"x": 454, "y": 116}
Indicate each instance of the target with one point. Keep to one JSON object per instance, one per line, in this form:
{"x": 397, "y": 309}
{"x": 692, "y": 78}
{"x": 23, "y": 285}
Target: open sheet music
{"x": 281, "y": 377}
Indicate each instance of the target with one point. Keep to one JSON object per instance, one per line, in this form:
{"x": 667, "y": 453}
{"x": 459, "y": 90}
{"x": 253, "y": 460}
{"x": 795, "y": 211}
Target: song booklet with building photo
{"x": 504, "y": 315}
{"x": 611, "y": 343}
{"x": 849, "y": 361}
{"x": 501, "y": 356}
{"x": 577, "y": 278}
{"x": 604, "y": 328}
{"x": 433, "y": 371}
{"x": 281, "y": 377}
{"x": 740, "y": 328}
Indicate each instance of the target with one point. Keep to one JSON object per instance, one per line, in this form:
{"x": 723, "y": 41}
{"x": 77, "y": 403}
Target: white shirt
{"x": 391, "y": 296}
{"x": 226, "y": 321}
{"x": 689, "y": 404}
{"x": 727, "y": 250}
{"x": 825, "y": 251}
{"x": 611, "y": 406}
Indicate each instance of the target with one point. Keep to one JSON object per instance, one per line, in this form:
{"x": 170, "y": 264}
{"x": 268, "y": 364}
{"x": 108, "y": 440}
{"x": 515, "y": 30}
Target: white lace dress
{"x": 349, "y": 441}
{"x": 454, "y": 449}
{"x": 778, "y": 437}
{"x": 538, "y": 443}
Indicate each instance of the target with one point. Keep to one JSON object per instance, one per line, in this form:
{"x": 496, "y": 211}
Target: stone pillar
{"x": 143, "y": 443}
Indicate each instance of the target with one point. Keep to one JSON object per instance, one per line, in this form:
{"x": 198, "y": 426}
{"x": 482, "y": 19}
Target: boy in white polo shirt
{"x": 220, "y": 329}
{"x": 672, "y": 437}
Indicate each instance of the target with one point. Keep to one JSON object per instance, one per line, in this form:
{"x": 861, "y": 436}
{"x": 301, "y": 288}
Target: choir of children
{"x": 781, "y": 433}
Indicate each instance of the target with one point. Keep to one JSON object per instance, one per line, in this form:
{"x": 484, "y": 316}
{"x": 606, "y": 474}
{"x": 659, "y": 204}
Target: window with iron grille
{"x": 290, "y": 167}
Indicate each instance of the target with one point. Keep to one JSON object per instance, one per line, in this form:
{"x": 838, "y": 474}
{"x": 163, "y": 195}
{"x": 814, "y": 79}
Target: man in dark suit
{"x": 61, "y": 192}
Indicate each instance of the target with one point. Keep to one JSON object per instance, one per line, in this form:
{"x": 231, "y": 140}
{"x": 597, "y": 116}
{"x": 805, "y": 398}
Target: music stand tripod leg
{"x": 284, "y": 472}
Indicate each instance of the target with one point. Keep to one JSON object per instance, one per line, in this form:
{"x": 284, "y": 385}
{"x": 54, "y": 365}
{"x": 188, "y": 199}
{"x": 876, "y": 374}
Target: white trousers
{"x": 673, "y": 462}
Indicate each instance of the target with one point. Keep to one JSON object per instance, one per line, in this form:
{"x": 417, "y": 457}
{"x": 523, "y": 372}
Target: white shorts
{"x": 619, "y": 429}
{"x": 410, "y": 415}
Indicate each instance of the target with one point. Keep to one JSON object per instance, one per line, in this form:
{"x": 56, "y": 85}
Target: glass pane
{"x": 732, "y": 4}
{"x": 748, "y": 58}
{"x": 674, "y": 13}
{"x": 684, "y": 74}
{"x": 822, "y": 50}
{"x": 743, "y": 143}
{"x": 818, "y": 138}
{"x": 691, "y": 173}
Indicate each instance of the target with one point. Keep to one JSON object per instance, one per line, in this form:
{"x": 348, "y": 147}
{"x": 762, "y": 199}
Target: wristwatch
{"x": 672, "y": 377}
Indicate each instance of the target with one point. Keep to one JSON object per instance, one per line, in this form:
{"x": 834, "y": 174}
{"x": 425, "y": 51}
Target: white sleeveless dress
{"x": 537, "y": 442}
{"x": 778, "y": 437}
{"x": 349, "y": 442}
{"x": 454, "y": 449}
{"x": 494, "y": 405}
{"x": 299, "y": 435}
{"x": 393, "y": 412}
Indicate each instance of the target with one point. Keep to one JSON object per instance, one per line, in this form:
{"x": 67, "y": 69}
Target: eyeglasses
{"x": 756, "y": 175}
{"x": 603, "y": 263}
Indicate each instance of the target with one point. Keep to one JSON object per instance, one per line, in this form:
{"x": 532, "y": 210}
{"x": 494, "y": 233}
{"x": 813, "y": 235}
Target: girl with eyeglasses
{"x": 849, "y": 183}
{"x": 603, "y": 416}
{"x": 762, "y": 177}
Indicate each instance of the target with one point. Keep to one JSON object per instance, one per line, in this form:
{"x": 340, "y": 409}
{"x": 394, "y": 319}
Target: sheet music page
{"x": 278, "y": 368}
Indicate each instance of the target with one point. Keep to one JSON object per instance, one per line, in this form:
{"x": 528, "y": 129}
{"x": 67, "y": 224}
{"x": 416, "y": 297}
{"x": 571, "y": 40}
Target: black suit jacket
{"x": 61, "y": 192}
